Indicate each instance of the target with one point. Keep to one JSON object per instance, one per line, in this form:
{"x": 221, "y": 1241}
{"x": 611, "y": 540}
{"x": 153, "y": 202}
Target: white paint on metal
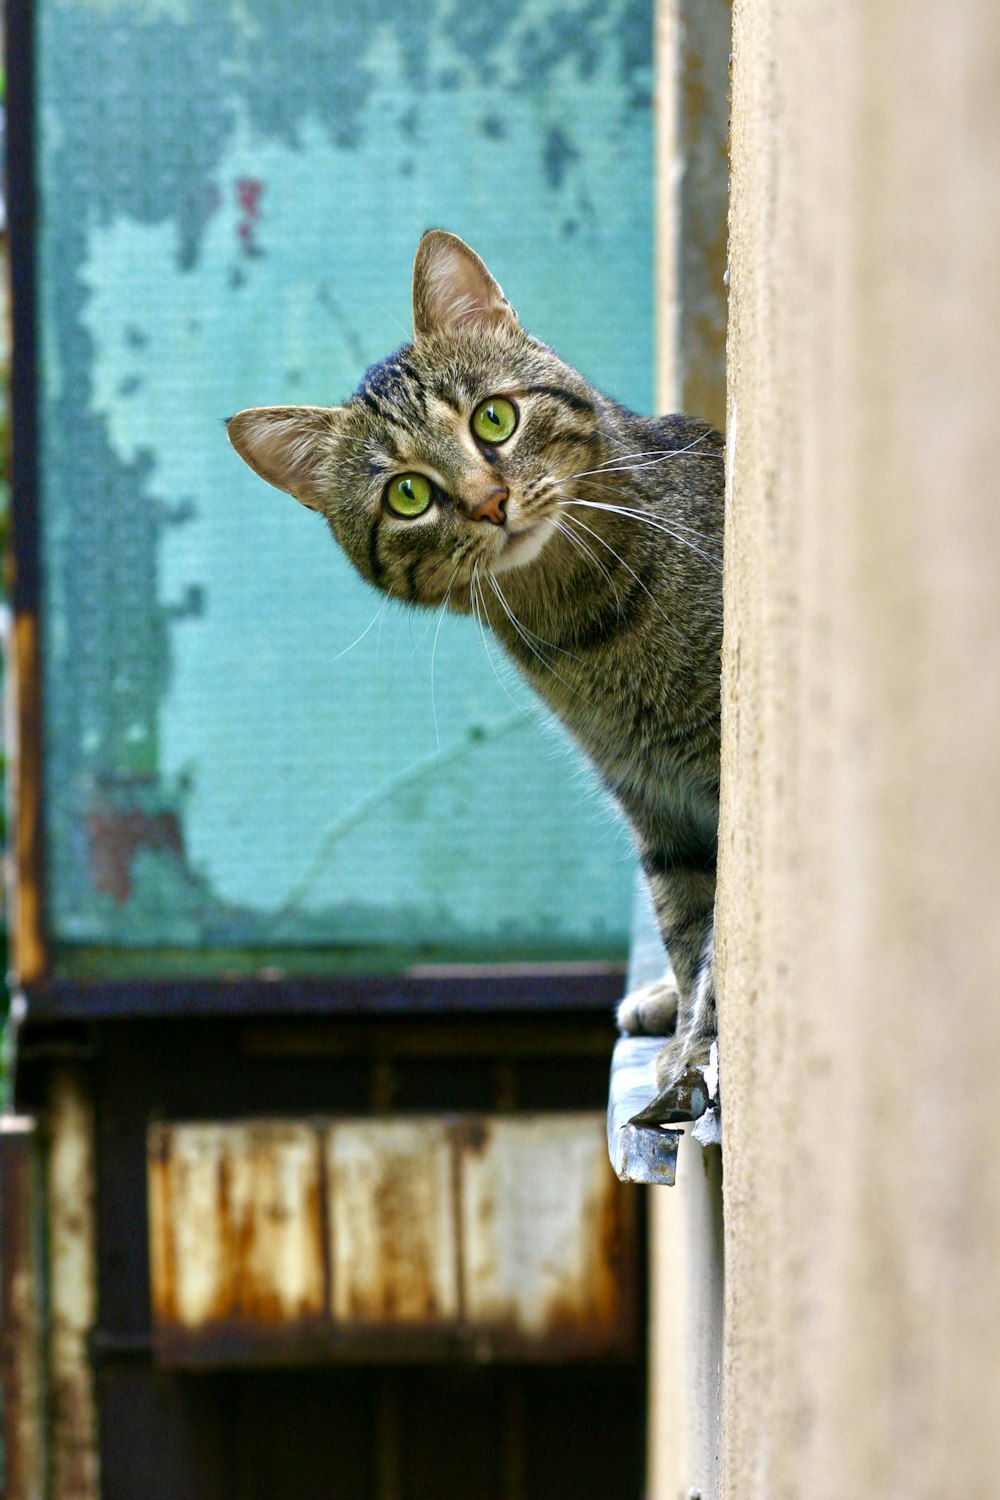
{"x": 535, "y": 1204}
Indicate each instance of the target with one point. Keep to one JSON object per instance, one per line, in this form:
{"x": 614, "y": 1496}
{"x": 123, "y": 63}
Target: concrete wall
{"x": 860, "y": 889}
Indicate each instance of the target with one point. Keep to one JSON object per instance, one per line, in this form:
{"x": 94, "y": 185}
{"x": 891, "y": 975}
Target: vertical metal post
{"x": 28, "y": 942}
{"x": 20, "y": 1311}
{"x": 693, "y": 40}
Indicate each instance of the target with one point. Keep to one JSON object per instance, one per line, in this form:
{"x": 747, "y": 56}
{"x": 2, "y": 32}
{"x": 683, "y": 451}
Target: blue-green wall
{"x": 231, "y": 194}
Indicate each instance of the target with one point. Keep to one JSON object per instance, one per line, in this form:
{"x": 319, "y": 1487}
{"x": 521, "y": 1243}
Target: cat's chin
{"x": 524, "y": 546}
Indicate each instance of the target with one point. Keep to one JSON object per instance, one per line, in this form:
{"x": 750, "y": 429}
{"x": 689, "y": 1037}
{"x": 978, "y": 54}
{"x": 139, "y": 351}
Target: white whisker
{"x": 378, "y": 633}
{"x": 655, "y": 522}
{"x": 524, "y": 629}
{"x": 524, "y": 633}
{"x": 441, "y": 614}
{"x": 476, "y": 600}
{"x": 619, "y": 465}
{"x": 375, "y": 617}
{"x": 682, "y": 526}
{"x": 581, "y": 546}
{"x": 671, "y": 624}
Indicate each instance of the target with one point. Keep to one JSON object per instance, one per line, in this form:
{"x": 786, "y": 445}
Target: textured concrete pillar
{"x": 860, "y": 883}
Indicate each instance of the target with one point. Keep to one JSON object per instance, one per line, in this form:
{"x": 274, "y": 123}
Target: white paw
{"x": 649, "y": 1011}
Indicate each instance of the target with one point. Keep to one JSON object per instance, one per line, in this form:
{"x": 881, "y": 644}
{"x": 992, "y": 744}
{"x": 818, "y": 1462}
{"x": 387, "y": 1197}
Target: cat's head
{"x": 452, "y": 452}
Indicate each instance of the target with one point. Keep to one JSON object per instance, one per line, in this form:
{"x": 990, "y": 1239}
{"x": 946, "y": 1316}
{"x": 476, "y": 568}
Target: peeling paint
{"x": 188, "y": 634}
{"x": 115, "y": 839}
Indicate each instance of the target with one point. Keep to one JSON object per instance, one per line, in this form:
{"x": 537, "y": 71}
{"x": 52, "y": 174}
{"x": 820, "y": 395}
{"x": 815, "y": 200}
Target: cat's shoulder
{"x": 679, "y": 432}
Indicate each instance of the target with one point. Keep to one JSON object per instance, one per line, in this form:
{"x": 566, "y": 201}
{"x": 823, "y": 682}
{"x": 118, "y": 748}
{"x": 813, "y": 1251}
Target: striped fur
{"x": 603, "y": 583}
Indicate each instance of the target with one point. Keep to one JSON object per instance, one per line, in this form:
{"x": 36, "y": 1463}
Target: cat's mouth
{"x": 522, "y": 547}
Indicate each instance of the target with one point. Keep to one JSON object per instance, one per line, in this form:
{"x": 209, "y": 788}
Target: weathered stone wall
{"x": 860, "y": 883}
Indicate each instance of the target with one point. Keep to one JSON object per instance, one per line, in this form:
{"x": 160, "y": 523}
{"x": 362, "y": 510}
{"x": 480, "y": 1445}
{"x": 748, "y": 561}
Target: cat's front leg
{"x": 689, "y": 1049}
{"x": 683, "y": 900}
{"x": 682, "y": 1066}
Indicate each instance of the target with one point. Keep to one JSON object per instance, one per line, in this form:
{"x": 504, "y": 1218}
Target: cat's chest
{"x": 648, "y": 743}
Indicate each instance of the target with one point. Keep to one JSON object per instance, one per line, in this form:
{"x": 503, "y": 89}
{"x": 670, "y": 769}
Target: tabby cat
{"x": 474, "y": 470}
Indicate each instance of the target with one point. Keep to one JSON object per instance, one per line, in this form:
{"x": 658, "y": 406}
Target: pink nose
{"x": 494, "y": 507}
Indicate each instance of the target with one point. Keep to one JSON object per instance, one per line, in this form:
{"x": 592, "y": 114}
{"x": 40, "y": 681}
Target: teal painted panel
{"x": 244, "y": 748}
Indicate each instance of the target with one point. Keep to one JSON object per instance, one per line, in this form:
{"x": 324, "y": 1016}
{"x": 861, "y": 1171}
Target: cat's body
{"x": 474, "y": 469}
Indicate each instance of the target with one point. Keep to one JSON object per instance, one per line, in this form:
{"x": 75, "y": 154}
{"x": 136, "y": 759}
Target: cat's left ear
{"x": 289, "y": 446}
{"x": 452, "y": 289}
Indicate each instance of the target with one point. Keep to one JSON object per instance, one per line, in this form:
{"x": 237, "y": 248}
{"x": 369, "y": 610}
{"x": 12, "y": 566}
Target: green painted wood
{"x": 230, "y": 199}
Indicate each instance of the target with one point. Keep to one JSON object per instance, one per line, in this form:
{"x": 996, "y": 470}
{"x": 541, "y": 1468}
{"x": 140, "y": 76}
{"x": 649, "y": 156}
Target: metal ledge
{"x": 639, "y": 1153}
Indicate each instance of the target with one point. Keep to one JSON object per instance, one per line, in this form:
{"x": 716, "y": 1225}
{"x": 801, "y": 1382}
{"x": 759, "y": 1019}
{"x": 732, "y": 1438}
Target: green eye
{"x": 409, "y": 494}
{"x": 494, "y": 420}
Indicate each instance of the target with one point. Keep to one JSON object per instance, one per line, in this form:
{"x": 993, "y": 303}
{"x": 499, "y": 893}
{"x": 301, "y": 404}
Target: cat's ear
{"x": 452, "y": 289}
{"x": 288, "y": 446}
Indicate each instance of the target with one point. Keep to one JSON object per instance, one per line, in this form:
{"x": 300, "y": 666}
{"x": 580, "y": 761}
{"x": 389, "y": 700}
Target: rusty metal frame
{"x": 455, "y": 989}
{"x": 29, "y": 948}
{"x": 138, "y": 1073}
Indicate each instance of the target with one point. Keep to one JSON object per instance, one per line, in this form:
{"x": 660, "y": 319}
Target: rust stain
{"x": 236, "y": 1225}
{"x": 475, "y": 1137}
{"x": 29, "y": 957}
{"x": 392, "y": 1223}
{"x": 228, "y": 1237}
{"x": 162, "y": 1252}
{"x": 405, "y": 1282}
{"x": 116, "y": 835}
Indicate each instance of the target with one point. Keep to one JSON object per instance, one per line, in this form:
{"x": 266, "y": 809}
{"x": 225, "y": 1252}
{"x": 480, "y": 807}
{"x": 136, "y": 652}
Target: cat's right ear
{"x": 452, "y": 288}
{"x": 289, "y": 446}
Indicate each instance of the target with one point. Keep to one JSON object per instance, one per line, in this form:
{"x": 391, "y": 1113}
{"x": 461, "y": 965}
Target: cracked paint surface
{"x": 229, "y": 220}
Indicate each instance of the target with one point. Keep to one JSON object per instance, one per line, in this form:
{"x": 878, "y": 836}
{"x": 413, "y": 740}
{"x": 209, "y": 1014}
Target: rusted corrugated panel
{"x": 236, "y": 1223}
{"x": 20, "y": 1312}
{"x": 488, "y": 1236}
{"x": 70, "y": 1190}
{"x": 393, "y": 1222}
{"x": 541, "y": 1226}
